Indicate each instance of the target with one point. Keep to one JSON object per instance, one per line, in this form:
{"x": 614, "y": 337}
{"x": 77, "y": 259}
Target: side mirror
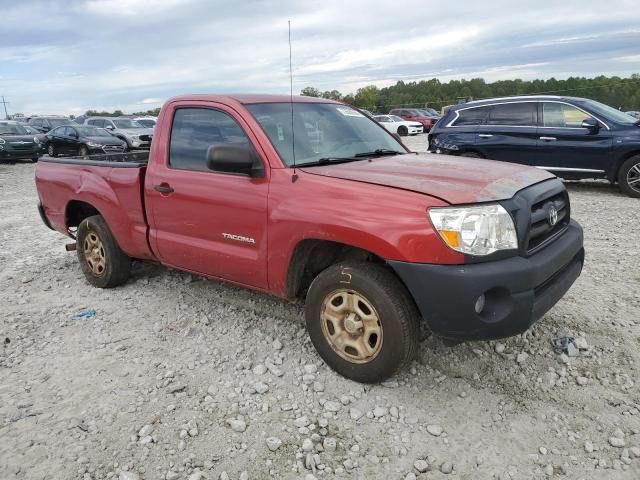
{"x": 234, "y": 159}
{"x": 110, "y": 127}
{"x": 591, "y": 124}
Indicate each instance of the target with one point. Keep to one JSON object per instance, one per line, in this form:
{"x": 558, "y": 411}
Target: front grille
{"x": 22, "y": 147}
{"x": 112, "y": 148}
{"x": 541, "y": 230}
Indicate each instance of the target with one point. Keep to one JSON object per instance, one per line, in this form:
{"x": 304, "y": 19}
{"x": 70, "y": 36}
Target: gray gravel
{"x": 182, "y": 378}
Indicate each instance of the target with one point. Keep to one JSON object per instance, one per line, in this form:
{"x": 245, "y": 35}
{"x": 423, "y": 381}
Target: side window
{"x": 96, "y": 122}
{"x": 520, "y": 114}
{"x": 70, "y": 131}
{"x": 560, "y": 115}
{"x": 471, "y": 116}
{"x": 57, "y": 131}
{"x": 194, "y": 130}
{"x": 37, "y": 122}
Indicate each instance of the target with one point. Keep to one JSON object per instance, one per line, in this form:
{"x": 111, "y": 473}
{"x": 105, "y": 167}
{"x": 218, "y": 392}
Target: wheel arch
{"x": 312, "y": 256}
{"x": 76, "y": 211}
{"x": 613, "y": 173}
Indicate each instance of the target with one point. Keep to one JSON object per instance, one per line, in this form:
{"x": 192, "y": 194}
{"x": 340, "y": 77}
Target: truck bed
{"x": 110, "y": 185}
{"x": 113, "y": 160}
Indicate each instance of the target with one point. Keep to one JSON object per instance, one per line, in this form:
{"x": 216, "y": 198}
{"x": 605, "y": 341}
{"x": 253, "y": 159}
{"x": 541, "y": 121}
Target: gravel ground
{"x": 177, "y": 377}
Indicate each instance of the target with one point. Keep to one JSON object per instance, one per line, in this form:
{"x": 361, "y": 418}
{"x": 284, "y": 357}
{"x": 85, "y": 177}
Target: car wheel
{"x": 629, "y": 177}
{"x": 84, "y": 151}
{"x": 403, "y": 131}
{"x": 362, "y": 321}
{"x": 35, "y": 159}
{"x": 51, "y": 151}
{"x": 103, "y": 263}
{"x": 471, "y": 155}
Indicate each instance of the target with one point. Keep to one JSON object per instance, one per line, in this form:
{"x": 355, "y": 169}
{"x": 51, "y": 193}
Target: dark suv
{"x": 571, "y": 137}
{"x": 44, "y": 124}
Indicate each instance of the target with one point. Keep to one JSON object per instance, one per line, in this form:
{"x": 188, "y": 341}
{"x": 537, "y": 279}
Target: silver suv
{"x": 135, "y": 135}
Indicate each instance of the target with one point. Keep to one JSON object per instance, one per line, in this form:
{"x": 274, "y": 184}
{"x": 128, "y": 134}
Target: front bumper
{"x": 9, "y": 153}
{"x": 415, "y": 130}
{"x": 518, "y": 290}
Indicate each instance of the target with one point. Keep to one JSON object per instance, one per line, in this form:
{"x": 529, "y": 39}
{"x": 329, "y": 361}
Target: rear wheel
{"x": 362, "y": 321}
{"x": 103, "y": 263}
{"x": 403, "y": 131}
{"x": 629, "y": 177}
{"x": 51, "y": 150}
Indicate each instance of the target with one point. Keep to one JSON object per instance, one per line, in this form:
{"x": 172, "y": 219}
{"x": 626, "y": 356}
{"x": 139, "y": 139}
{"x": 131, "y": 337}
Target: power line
{"x": 5, "y": 103}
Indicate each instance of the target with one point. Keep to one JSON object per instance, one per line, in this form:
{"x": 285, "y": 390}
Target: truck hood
{"x": 457, "y": 180}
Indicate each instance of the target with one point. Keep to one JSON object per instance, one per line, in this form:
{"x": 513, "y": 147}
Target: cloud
{"x": 132, "y": 54}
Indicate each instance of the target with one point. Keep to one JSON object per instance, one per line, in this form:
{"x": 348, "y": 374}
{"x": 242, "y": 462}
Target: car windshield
{"x": 126, "y": 123}
{"x": 12, "y": 129}
{"x": 57, "y": 122}
{"x": 395, "y": 118}
{"x": 322, "y": 132}
{"x": 29, "y": 129}
{"x": 610, "y": 113}
{"x": 145, "y": 122}
{"x": 431, "y": 112}
{"x": 92, "y": 132}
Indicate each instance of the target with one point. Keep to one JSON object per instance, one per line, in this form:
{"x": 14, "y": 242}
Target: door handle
{"x": 548, "y": 139}
{"x": 485, "y": 135}
{"x": 164, "y": 188}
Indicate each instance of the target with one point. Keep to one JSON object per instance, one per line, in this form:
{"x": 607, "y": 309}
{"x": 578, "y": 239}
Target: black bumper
{"x": 518, "y": 290}
{"x": 43, "y": 216}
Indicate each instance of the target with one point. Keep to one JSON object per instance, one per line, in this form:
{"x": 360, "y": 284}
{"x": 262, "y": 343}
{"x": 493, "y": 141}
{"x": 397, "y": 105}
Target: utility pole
{"x": 6, "y": 115}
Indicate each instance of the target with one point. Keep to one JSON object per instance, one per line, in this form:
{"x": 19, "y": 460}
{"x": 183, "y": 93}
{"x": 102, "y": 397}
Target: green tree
{"x": 310, "y": 92}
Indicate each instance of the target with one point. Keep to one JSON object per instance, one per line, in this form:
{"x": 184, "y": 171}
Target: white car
{"x": 398, "y": 125}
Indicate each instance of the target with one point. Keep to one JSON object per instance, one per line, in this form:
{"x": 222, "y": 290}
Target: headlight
{"x": 93, "y": 145}
{"x": 2, "y": 142}
{"x": 478, "y": 230}
{"x": 36, "y": 140}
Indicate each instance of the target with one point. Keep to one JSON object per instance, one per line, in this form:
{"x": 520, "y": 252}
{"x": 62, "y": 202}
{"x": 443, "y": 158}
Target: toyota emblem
{"x": 553, "y": 216}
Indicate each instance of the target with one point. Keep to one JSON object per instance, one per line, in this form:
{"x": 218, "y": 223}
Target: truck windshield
{"x": 321, "y": 131}
{"x": 610, "y": 113}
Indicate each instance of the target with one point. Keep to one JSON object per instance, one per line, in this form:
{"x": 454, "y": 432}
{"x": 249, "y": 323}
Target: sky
{"x": 68, "y": 56}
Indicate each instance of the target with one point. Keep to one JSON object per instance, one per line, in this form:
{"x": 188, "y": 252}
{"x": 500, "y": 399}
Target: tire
{"x": 471, "y": 155}
{"x": 84, "y": 151}
{"x": 629, "y": 177}
{"x": 403, "y": 131}
{"x": 35, "y": 159}
{"x": 104, "y": 265}
{"x": 51, "y": 150}
{"x": 376, "y": 290}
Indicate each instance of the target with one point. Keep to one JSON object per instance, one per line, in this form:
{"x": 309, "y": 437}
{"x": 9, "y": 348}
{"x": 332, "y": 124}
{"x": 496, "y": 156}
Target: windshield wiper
{"x": 378, "y": 153}
{"x": 328, "y": 160}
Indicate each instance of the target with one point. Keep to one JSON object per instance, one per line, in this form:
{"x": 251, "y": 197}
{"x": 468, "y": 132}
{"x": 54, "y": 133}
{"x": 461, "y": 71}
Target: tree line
{"x": 619, "y": 92}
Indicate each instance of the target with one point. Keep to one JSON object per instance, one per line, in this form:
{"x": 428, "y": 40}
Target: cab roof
{"x": 250, "y": 98}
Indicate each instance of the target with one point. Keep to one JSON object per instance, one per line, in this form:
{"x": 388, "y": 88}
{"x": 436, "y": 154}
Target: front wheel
{"x": 403, "y": 131}
{"x": 51, "y": 150}
{"x": 629, "y": 177}
{"x": 103, "y": 263}
{"x": 362, "y": 321}
{"x": 84, "y": 151}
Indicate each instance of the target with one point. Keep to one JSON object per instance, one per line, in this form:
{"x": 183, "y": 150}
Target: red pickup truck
{"x": 310, "y": 198}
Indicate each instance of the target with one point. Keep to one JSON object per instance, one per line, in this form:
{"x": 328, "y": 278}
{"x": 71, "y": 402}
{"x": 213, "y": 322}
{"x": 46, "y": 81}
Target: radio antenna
{"x": 294, "y": 177}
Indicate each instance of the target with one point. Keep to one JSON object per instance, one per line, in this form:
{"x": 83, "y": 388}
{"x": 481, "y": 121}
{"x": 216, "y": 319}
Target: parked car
{"x": 430, "y": 112}
{"x": 415, "y": 115}
{"x": 634, "y": 114}
{"x": 17, "y": 143}
{"x": 571, "y": 137}
{"x": 82, "y": 140}
{"x": 46, "y": 123}
{"x": 41, "y": 137}
{"x": 398, "y": 125}
{"x": 377, "y": 238}
{"x": 128, "y": 130}
{"x": 80, "y": 119}
{"x": 147, "y": 122}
